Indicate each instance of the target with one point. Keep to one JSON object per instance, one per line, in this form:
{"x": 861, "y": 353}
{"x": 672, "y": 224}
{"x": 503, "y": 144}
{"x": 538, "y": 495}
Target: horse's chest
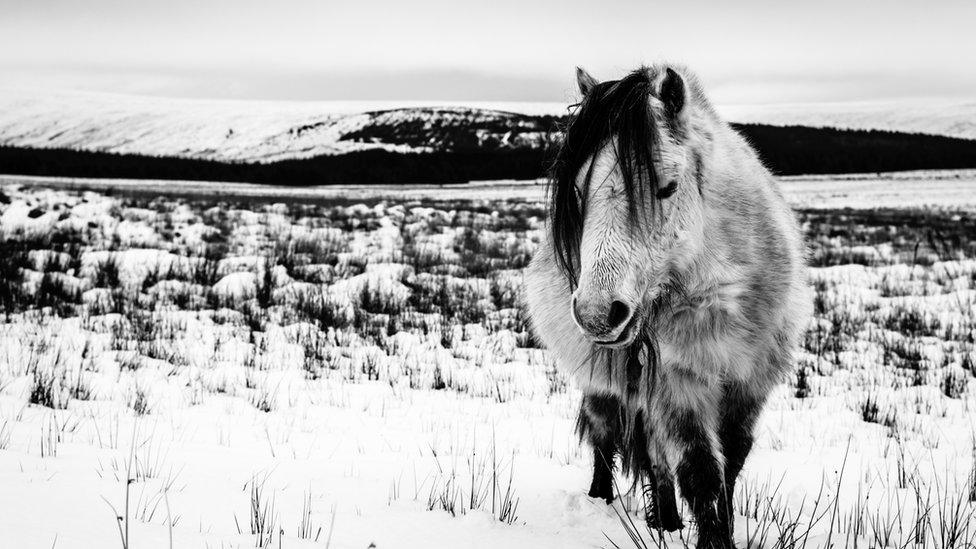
{"x": 665, "y": 409}
{"x": 708, "y": 337}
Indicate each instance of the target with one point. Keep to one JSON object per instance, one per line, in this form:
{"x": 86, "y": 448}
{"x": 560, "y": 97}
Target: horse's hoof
{"x": 601, "y": 494}
{"x": 713, "y": 541}
{"x": 666, "y": 523}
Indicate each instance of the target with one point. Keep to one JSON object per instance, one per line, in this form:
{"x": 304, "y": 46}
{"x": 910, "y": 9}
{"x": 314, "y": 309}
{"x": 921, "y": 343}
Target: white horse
{"x": 671, "y": 285}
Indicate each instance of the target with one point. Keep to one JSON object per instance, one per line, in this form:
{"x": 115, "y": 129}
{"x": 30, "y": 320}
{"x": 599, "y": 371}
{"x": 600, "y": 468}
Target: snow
{"x": 226, "y": 410}
{"x": 225, "y": 130}
{"x": 930, "y": 116}
{"x": 943, "y": 189}
{"x": 237, "y": 285}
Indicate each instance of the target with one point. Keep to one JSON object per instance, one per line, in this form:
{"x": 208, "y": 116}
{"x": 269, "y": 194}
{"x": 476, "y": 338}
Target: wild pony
{"x": 670, "y": 283}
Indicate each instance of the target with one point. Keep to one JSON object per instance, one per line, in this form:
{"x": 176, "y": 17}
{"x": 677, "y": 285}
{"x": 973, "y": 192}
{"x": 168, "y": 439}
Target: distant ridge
{"x": 787, "y": 150}
{"x": 86, "y": 135}
{"x": 932, "y": 117}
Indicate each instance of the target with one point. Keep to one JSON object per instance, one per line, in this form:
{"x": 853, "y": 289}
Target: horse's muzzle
{"x": 605, "y": 322}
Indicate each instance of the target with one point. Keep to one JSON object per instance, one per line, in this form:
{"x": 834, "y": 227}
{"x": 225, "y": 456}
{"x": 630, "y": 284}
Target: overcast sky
{"x": 751, "y": 51}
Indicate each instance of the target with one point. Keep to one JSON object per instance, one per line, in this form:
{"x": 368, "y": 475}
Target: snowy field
{"x": 917, "y": 189}
{"x": 312, "y": 368}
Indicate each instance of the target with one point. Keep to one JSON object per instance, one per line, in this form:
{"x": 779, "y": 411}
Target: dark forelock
{"x": 617, "y": 112}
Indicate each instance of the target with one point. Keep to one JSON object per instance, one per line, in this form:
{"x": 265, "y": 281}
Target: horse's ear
{"x": 673, "y": 94}
{"x": 585, "y": 81}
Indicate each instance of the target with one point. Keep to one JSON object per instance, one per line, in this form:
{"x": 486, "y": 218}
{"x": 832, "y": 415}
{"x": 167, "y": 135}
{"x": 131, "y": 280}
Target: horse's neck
{"x": 713, "y": 270}
{"x": 717, "y": 271}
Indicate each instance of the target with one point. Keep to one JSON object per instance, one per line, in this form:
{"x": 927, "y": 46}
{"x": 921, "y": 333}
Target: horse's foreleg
{"x": 699, "y": 472}
{"x": 740, "y": 410}
{"x": 662, "y": 511}
{"x": 599, "y": 423}
{"x": 602, "y": 484}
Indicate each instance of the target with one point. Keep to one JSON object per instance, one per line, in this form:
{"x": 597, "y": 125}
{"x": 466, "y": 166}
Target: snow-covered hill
{"x": 241, "y": 130}
{"x": 948, "y": 118}
{"x": 263, "y": 131}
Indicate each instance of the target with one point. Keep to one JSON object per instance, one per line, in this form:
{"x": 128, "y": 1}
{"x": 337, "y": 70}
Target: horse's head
{"x": 626, "y": 205}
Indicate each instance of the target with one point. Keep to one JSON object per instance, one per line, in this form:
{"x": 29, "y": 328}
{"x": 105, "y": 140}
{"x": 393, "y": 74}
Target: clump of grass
{"x": 13, "y": 295}
{"x": 50, "y": 437}
{"x": 309, "y": 531}
{"x": 955, "y": 383}
{"x": 51, "y": 384}
{"x": 45, "y": 389}
{"x": 57, "y": 293}
{"x": 972, "y": 476}
{"x": 139, "y": 400}
{"x": 262, "y": 397}
{"x": 262, "y": 516}
{"x": 305, "y": 528}
{"x": 265, "y": 284}
{"x": 107, "y": 273}
{"x": 488, "y": 486}
{"x": 204, "y": 271}
{"x": 5, "y": 432}
{"x": 873, "y": 412}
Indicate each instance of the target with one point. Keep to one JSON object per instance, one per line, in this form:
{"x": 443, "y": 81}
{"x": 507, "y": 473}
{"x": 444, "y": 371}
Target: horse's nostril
{"x": 619, "y": 313}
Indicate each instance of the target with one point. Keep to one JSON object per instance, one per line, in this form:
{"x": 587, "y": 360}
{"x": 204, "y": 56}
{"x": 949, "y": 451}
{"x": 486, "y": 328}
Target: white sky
{"x": 747, "y": 51}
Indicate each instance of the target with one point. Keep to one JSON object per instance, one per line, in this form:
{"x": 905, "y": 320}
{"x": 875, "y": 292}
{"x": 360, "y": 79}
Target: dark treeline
{"x": 786, "y": 150}
{"x": 363, "y": 167}
{"x": 794, "y": 150}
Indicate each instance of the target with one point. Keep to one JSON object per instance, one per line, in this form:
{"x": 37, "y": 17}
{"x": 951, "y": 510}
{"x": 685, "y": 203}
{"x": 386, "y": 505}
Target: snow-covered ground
{"x": 936, "y": 189}
{"x": 235, "y": 372}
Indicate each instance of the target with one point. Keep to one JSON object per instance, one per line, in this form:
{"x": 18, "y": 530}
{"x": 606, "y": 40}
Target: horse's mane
{"x": 619, "y": 112}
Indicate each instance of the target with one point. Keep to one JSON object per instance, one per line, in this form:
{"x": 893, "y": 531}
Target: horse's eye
{"x": 667, "y": 191}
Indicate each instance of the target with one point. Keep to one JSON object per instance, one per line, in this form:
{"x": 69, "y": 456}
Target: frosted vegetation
{"x": 242, "y": 373}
